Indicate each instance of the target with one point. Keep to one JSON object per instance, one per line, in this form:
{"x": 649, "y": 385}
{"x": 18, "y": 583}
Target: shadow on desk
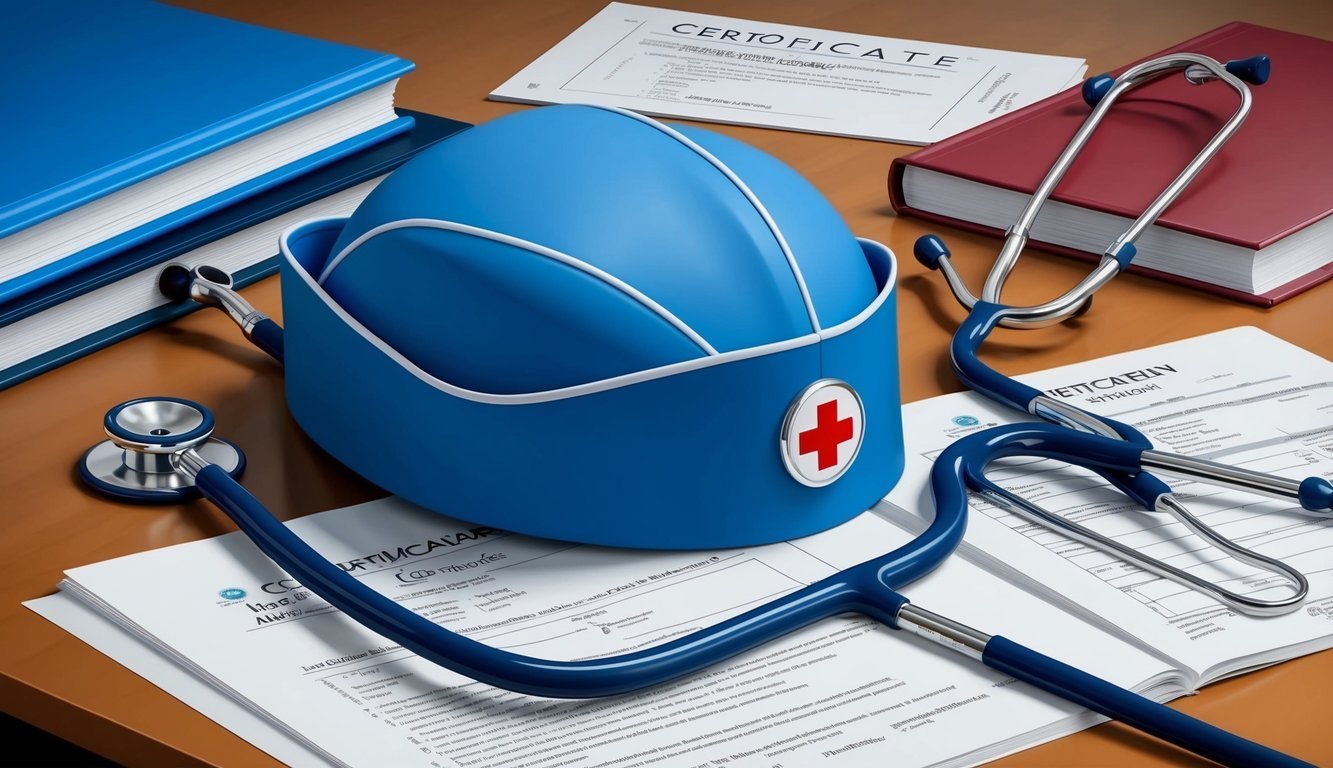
{"x": 29, "y": 747}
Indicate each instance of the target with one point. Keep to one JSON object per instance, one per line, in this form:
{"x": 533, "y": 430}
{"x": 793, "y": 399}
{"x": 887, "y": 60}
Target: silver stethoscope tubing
{"x": 1101, "y": 93}
{"x": 988, "y": 312}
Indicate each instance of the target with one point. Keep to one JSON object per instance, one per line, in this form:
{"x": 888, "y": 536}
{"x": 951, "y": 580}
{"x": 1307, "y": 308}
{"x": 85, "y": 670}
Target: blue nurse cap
{"x": 584, "y": 324}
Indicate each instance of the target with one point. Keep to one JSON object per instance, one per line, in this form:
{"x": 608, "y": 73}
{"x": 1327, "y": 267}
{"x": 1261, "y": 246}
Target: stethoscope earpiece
{"x": 139, "y": 460}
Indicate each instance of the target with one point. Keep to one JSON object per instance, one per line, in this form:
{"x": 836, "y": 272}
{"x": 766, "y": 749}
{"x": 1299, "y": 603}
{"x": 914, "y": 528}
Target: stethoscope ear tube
{"x": 212, "y": 287}
{"x": 267, "y": 335}
{"x": 1241, "y": 603}
{"x": 965, "y": 355}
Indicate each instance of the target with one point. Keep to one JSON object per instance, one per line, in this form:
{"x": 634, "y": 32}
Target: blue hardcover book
{"x": 82, "y": 312}
{"x": 124, "y": 119}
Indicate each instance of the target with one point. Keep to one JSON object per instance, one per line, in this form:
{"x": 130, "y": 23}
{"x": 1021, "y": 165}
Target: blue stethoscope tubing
{"x": 986, "y": 312}
{"x": 1314, "y": 494}
{"x": 1112, "y": 450}
{"x": 868, "y": 589}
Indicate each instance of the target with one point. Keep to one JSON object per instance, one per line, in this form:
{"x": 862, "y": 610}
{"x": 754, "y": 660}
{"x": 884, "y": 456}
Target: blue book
{"x": 124, "y": 119}
{"x": 82, "y": 312}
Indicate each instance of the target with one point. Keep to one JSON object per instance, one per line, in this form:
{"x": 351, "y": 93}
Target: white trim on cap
{"x": 745, "y": 190}
{"x": 592, "y": 387}
{"x": 466, "y": 229}
{"x": 889, "y": 281}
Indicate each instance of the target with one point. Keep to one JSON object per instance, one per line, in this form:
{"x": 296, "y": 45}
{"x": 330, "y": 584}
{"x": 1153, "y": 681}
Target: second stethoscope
{"x": 988, "y": 311}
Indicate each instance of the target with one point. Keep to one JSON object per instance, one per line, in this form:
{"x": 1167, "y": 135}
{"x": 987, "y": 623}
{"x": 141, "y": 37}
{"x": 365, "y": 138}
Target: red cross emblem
{"x": 829, "y": 433}
{"x": 821, "y": 434}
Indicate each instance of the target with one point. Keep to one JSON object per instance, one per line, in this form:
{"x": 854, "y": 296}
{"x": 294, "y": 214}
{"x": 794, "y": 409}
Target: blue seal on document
{"x": 231, "y": 593}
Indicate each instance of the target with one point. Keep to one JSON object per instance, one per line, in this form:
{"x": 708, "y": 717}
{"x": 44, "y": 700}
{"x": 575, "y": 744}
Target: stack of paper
{"x": 845, "y": 686}
{"x": 233, "y": 636}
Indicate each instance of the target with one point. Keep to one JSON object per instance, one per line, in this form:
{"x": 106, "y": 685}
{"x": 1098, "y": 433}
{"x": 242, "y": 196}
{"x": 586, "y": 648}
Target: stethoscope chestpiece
{"x": 137, "y": 461}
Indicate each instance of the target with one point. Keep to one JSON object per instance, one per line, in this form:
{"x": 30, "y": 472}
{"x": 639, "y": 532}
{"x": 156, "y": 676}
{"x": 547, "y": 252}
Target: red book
{"x": 1255, "y": 224}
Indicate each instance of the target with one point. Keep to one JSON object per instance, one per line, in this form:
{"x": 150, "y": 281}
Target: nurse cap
{"x": 583, "y": 324}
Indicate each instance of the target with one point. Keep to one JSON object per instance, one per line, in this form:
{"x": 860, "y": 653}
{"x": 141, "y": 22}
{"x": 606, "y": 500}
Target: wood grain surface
{"x": 462, "y": 51}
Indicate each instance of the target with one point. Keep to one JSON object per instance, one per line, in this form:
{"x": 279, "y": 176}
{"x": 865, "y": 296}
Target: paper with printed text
{"x": 677, "y": 64}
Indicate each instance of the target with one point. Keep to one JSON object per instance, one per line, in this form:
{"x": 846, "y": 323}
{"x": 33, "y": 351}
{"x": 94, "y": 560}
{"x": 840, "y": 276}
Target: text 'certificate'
{"x": 720, "y": 69}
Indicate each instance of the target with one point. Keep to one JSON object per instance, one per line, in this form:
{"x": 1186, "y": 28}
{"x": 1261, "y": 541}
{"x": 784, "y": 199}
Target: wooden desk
{"x": 462, "y": 51}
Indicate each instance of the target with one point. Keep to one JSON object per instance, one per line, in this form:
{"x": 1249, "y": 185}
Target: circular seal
{"x": 821, "y": 433}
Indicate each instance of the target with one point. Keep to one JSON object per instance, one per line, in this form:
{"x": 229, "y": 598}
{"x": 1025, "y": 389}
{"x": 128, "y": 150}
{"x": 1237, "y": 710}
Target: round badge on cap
{"x": 821, "y": 433}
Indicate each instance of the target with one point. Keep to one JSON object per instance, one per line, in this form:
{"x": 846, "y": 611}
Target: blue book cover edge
{"x": 122, "y": 330}
{"x": 436, "y": 129}
{"x": 91, "y": 255}
{"x": 373, "y": 68}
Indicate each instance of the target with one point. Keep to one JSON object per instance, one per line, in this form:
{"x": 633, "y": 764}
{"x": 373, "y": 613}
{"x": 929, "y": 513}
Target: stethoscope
{"x": 171, "y": 439}
{"x": 166, "y": 451}
{"x": 1314, "y": 494}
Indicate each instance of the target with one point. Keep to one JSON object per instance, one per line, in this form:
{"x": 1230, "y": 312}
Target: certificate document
{"x": 1239, "y": 397}
{"x": 321, "y": 690}
{"x": 704, "y": 67}
{"x": 221, "y": 627}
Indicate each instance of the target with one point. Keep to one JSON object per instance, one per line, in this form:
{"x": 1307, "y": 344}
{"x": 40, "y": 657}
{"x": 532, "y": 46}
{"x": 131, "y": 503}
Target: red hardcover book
{"x": 1255, "y": 225}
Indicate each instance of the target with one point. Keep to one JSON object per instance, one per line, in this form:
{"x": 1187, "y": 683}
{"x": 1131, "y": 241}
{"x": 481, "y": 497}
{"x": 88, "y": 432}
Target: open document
{"x": 295, "y": 677}
{"x": 679, "y": 64}
{"x": 843, "y": 692}
{"x": 1238, "y": 397}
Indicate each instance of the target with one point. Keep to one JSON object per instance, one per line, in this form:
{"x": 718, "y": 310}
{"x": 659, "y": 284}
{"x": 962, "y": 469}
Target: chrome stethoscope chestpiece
{"x": 138, "y": 460}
